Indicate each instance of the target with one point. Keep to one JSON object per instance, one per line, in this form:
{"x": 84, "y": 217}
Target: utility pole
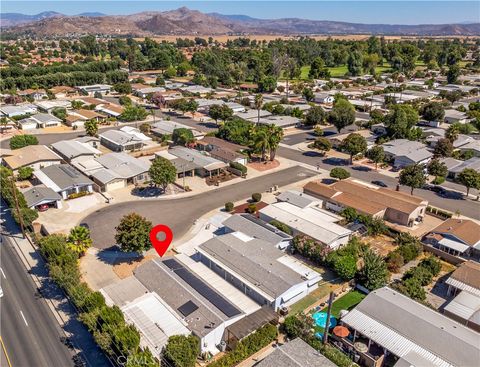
{"x": 20, "y": 218}
{"x": 327, "y": 322}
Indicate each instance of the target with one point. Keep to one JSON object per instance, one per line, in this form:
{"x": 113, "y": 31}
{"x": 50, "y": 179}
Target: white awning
{"x": 454, "y": 245}
{"x": 464, "y": 305}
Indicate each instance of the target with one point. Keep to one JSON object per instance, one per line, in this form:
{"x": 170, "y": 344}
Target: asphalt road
{"x": 466, "y": 207}
{"x": 30, "y": 333}
{"x": 308, "y": 135}
{"x": 181, "y": 213}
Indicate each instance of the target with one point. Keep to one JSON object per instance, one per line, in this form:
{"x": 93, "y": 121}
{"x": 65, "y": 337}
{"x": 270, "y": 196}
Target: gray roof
{"x": 296, "y": 198}
{"x": 120, "y": 137}
{"x": 255, "y": 261}
{"x": 183, "y": 165}
{"x": 295, "y": 353}
{"x": 401, "y": 147}
{"x": 158, "y": 278}
{"x": 72, "y": 148}
{"x": 252, "y": 114}
{"x": 62, "y": 176}
{"x": 122, "y": 165}
{"x": 36, "y": 195}
{"x": 199, "y": 159}
{"x": 473, "y": 163}
{"x": 45, "y": 117}
{"x": 403, "y": 325}
{"x": 256, "y": 228}
{"x": 280, "y": 121}
{"x": 451, "y": 162}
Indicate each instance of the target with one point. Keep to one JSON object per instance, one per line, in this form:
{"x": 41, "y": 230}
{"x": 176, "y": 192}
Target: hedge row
{"x": 239, "y": 166}
{"x": 107, "y": 324}
{"x": 248, "y": 346}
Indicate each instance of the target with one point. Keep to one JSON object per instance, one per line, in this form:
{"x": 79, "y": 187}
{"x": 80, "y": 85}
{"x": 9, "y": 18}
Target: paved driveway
{"x": 180, "y": 213}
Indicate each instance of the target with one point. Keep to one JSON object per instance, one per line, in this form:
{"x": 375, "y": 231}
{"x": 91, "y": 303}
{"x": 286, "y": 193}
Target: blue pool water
{"x": 320, "y": 319}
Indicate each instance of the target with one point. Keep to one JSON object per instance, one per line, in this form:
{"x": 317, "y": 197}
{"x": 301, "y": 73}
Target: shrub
{"x": 182, "y": 351}
{"x": 256, "y": 197}
{"x": 25, "y": 173}
{"x": 78, "y": 194}
{"x": 432, "y": 264}
{"x": 339, "y": 173}
{"x": 438, "y": 180}
{"x": 423, "y": 275}
{"x": 239, "y": 167}
{"x": 394, "y": 261}
{"x": 281, "y": 226}
{"x": 412, "y": 288}
{"x": 252, "y": 209}
{"x": 311, "y": 249}
{"x": 228, "y": 207}
{"x": 248, "y": 346}
{"x": 20, "y": 141}
{"x": 345, "y": 266}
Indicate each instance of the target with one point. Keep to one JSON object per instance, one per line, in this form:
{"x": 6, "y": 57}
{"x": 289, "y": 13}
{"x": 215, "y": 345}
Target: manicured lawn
{"x": 340, "y": 71}
{"x": 346, "y": 302}
{"x": 310, "y": 299}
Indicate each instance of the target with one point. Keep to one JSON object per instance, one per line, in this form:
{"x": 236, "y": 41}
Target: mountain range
{"x": 184, "y": 21}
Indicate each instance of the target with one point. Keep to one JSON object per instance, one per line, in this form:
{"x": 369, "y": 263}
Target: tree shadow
{"x": 328, "y": 181}
{"x": 334, "y": 161}
{"x": 113, "y": 256}
{"x": 312, "y": 153}
{"x": 362, "y": 168}
{"x": 147, "y": 192}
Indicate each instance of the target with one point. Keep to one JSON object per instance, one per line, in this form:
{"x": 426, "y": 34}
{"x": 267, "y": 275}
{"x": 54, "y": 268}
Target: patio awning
{"x": 454, "y": 245}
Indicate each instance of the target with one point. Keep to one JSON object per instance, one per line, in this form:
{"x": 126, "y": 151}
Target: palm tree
{"x": 258, "y": 105}
{"x": 452, "y": 133}
{"x": 275, "y": 136}
{"x": 261, "y": 142}
{"x": 79, "y": 240}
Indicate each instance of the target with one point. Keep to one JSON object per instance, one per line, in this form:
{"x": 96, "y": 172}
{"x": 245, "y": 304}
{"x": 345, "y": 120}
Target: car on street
{"x": 379, "y": 183}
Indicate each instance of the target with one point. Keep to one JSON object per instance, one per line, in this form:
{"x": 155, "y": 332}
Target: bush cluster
{"x": 248, "y": 346}
{"x": 281, "y": 226}
{"x": 107, "y": 324}
{"x": 311, "y": 249}
{"x": 418, "y": 277}
{"x": 409, "y": 247}
{"x": 374, "y": 226}
{"x": 256, "y": 197}
{"x": 239, "y": 166}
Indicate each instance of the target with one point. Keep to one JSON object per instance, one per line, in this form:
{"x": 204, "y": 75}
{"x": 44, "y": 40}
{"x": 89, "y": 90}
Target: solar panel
{"x": 201, "y": 287}
{"x": 187, "y": 308}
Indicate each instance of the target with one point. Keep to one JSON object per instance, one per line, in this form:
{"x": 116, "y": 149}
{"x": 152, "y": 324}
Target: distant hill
{"x": 184, "y": 21}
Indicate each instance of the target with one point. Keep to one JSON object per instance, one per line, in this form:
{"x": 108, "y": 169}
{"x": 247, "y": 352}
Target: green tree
{"x": 453, "y": 73}
{"x": 267, "y": 84}
{"x": 413, "y": 177}
{"x": 374, "y": 273}
{"x": 123, "y": 88}
{"x": 25, "y": 173}
{"x": 443, "y": 148}
{"x": 433, "y": 111}
{"x": 60, "y": 113}
{"x": 125, "y": 101}
{"x": 91, "y": 127}
{"x": 296, "y": 326}
{"x": 182, "y": 136}
{"x": 308, "y": 94}
{"x": 20, "y": 141}
{"x": 315, "y": 116}
{"x": 258, "y": 105}
{"x": 133, "y": 113}
{"x": 469, "y": 178}
{"x": 452, "y": 133}
{"x": 133, "y": 233}
{"x": 182, "y": 350}
{"x": 323, "y": 145}
{"x": 400, "y": 121}
{"x": 318, "y": 69}
{"x": 345, "y": 266}
{"x": 354, "y": 144}
{"x": 275, "y": 136}
{"x": 437, "y": 168}
{"x": 355, "y": 63}
{"x": 342, "y": 114}
{"x": 412, "y": 288}
{"x": 339, "y": 173}
{"x": 376, "y": 154}
{"x": 145, "y": 356}
{"x": 162, "y": 172}
{"x": 261, "y": 142}
{"x": 220, "y": 112}
{"x": 126, "y": 340}
{"x": 79, "y": 240}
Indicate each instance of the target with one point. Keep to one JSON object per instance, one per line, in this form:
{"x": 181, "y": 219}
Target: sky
{"x": 358, "y": 11}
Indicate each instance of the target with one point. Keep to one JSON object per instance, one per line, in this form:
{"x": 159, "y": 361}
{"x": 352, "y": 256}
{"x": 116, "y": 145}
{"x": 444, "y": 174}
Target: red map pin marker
{"x": 161, "y": 246}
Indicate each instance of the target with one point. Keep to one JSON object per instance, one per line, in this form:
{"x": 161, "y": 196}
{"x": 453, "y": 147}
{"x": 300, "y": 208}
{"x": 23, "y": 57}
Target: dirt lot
{"x": 382, "y": 245}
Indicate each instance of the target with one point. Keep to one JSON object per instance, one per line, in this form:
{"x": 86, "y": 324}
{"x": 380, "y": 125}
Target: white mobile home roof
{"x": 465, "y": 305}
{"x": 403, "y": 326}
{"x": 313, "y": 225}
{"x": 155, "y": 320}
{"x": 199, "y": 159}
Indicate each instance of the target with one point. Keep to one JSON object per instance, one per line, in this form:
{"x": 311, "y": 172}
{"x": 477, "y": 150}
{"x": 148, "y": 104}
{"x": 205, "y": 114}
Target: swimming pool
{"x": 320, "y": 319}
